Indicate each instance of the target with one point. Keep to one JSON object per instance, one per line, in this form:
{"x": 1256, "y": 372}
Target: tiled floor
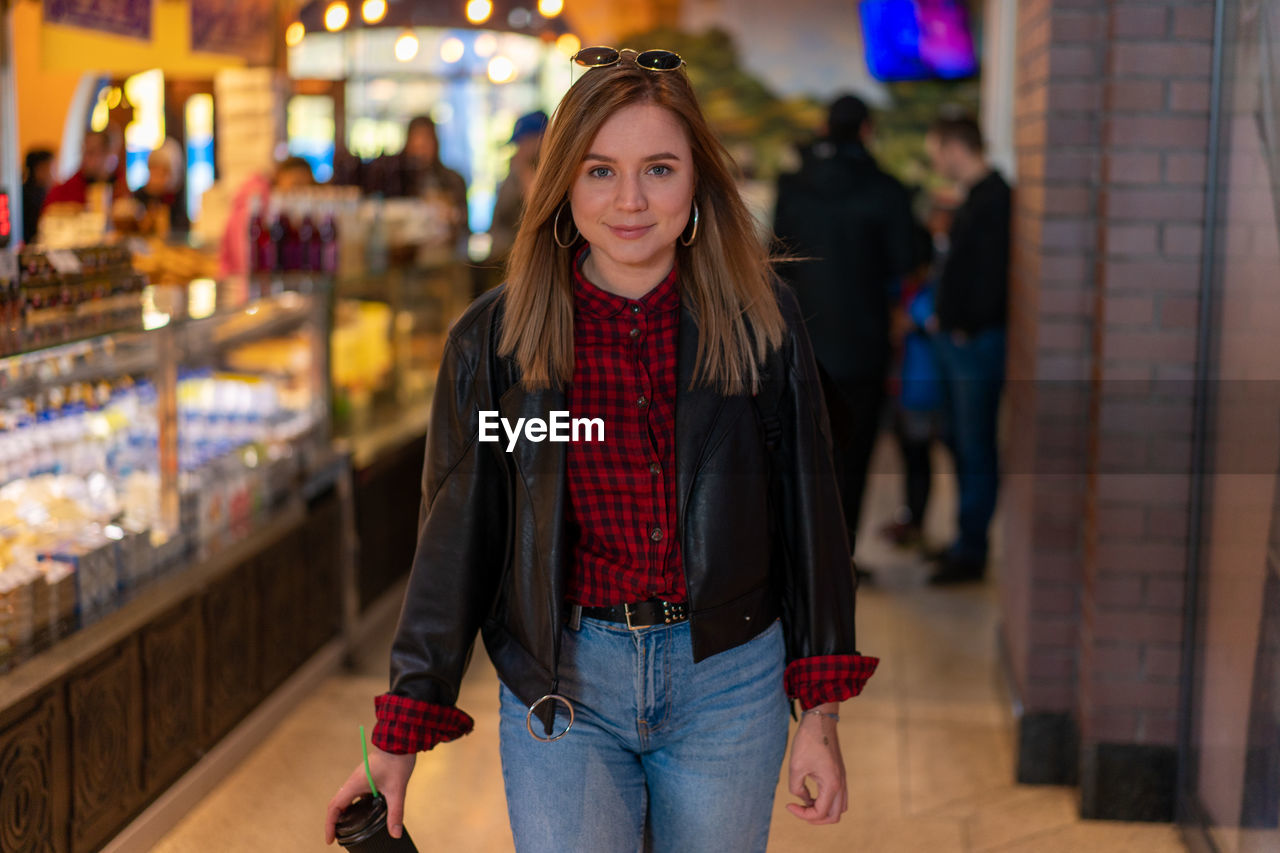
{"x": 928, "y": 746}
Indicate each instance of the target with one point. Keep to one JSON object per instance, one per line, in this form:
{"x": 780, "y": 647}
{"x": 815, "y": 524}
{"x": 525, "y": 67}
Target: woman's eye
{"x": 659, "y": 169}
{"x": 598, "y": 172}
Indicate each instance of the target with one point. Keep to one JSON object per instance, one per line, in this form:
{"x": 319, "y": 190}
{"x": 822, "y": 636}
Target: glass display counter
{"x": 174, "y": 534}
{"x": 125, "y": 455}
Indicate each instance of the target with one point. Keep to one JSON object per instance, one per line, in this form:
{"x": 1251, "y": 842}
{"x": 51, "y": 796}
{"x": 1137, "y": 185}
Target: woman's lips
{"x": 631, "y": 232}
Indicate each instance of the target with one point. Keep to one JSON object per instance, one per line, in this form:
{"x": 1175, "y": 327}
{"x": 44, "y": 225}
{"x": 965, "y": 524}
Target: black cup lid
{"x": 363, "y": 818}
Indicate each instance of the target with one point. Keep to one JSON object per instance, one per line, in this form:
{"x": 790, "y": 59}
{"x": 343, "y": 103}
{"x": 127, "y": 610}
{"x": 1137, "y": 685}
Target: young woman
{"x": 650, "y": 599}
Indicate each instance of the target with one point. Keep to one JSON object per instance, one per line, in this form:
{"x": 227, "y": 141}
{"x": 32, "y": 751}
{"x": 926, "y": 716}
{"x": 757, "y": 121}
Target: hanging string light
{"x": 294, "y": 33}
{"x": 550, "y": 8}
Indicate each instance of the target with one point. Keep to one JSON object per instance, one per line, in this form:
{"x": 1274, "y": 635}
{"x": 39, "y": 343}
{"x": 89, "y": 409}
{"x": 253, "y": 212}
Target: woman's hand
{"x": 390, "y": 773}
{"x": 815, "y": 753}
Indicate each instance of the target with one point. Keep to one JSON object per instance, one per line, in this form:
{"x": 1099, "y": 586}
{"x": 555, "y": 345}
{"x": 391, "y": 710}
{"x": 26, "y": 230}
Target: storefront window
{"x": 200, "y": 167}
{"x": 144, "y": 134}
{"x": 311, "y": 132}
{"x": 473, "y": 83}
{"x": 1234, "y": 776}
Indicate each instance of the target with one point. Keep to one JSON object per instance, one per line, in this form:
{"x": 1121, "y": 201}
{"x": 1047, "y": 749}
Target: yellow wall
{"x": 43, "y": 96}
{"x": 49, "y": 60}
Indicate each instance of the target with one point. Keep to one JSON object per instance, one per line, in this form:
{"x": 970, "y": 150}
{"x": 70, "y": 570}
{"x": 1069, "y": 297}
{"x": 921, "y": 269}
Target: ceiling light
{"x": 478, "y": 11}
{"x": 336, "y": 16}
{"x": 452, "y": 49}
{"x": 501, "y": 70}
{"x": 373, "y": 11}
{"x": 406, "y": 46}
{"x": 568, "y": 44}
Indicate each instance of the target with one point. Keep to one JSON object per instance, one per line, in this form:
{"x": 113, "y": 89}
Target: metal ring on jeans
{"x": 528, "y": 718}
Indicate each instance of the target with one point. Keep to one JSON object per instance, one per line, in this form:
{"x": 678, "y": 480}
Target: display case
{"x": 388, "y": 340}
{"x": 125, "y": 455}
{"x": 174, "y": 533}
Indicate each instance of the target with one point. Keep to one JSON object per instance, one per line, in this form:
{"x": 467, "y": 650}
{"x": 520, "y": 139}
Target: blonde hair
{"x": 726, "y": 280}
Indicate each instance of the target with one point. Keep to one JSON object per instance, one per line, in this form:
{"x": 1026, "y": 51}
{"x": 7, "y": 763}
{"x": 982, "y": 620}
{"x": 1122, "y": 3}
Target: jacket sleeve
{"x": 461, "y": 544}
{"x": 817, "y": 583}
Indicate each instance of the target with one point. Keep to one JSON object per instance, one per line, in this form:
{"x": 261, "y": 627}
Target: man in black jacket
{"x": 849, "y": 226}
{"x": 969, "y": 335}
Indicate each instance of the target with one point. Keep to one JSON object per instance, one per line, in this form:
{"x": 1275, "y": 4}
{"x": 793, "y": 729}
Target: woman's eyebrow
{"x": 665, "y": 155}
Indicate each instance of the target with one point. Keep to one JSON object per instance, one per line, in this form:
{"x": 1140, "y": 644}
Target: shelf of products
{"x": 125, "y": 456}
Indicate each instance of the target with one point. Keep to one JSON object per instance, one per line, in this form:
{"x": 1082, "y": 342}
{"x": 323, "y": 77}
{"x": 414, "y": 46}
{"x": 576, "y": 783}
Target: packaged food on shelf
{"x": 67, "y": 294}
{"x": 17, "y": 608}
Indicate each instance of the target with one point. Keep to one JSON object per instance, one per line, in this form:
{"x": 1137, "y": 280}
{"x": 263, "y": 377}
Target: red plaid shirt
{"x": 622, "y": 491}
{"x": 622, "y": 495}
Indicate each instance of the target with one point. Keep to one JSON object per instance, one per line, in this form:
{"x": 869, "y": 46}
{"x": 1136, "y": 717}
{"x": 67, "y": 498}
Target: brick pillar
{"x": 1057, "y": 141}
{"x": 1112, "y": 118}
{"x": 1151, "y": 220}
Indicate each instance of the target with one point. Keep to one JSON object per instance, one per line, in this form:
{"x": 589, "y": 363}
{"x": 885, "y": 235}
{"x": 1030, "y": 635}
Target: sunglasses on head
{"x": 651, "y": 60}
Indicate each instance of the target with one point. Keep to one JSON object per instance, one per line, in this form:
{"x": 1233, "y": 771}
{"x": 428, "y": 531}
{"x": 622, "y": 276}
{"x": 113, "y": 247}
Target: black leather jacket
{"x": 492, "y": 552}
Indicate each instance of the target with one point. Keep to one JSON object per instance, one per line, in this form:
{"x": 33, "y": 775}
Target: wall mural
{"x": 122, "y": 17}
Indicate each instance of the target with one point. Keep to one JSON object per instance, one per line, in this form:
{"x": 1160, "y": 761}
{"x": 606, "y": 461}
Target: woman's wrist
{"x": 827, "y": 710}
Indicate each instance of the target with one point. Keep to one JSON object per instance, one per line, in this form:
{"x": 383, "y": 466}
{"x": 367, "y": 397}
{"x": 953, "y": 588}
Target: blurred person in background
{"x": 526, "y": 136}
{"x": 917, "y": 396}
{"x": 348, "y": 169}
{"x": 161, "y": 206}
{"x": 417, "y": 172}
{"x": 97, "y": 165}
{"x": 255, "y": 193}
{"x": 849, "y": 225}
{"x": 971, "y": 307}
{"x": 37, "y": 178}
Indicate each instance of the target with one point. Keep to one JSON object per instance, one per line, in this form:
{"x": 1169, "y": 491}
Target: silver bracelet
{"x": 821, "y": 713}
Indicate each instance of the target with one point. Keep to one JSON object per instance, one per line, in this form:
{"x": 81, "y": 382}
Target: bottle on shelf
{"x": 257, "y": 227}
{"x": 266, "y": 255}
{"x": 290, "y": 247}
{"x": 328, "y": 237}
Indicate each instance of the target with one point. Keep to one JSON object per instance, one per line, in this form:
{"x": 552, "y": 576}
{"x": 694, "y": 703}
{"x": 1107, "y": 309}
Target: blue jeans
{"x": 663, "y": 755}
{"x": 972, "y": 377}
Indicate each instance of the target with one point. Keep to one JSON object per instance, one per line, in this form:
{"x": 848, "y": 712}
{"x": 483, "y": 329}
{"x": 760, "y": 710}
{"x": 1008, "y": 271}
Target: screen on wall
{"x": 917, "y": 39}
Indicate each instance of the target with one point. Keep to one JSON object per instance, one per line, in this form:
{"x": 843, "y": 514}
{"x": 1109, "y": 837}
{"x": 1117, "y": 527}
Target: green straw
{"x": 364, "y": 747}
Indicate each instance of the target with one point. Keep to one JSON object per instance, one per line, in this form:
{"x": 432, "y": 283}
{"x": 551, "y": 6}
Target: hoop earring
{"x": 555, "y": 230}
{"x": 694, "y": 235}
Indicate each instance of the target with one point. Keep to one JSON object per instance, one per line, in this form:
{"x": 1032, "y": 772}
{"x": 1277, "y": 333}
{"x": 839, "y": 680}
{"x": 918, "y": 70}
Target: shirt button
{"x": 635, "y": 333}
{"x": 656, "y": 534}
{"x": 655, "y": 468}
{"x": 643, "y": 401}
{"x": 635, "y": 309}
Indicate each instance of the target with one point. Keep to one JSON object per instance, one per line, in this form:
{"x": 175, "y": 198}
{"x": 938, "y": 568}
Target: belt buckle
{"x": 626, "y": 612}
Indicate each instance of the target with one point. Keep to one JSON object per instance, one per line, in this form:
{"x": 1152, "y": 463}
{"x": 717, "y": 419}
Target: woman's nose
{"x": 630, "y": 194}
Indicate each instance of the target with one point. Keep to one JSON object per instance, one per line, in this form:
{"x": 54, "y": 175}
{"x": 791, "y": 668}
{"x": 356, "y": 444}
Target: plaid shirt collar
{"x": 591, "y": 301}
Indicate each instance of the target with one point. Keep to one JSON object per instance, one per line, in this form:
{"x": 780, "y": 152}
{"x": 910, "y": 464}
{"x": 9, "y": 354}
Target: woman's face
{"x": 632, "y": 195}
{"x": 161, "y": 176}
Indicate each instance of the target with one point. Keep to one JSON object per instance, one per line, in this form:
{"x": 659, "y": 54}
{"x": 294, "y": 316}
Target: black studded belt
{"x": 643, "y": 615}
